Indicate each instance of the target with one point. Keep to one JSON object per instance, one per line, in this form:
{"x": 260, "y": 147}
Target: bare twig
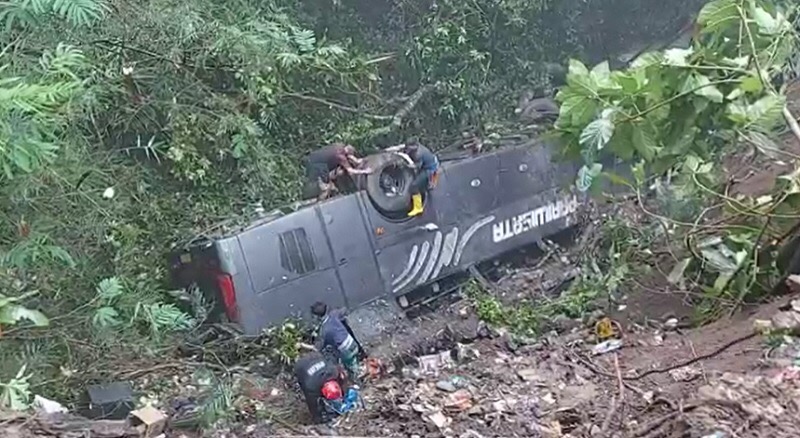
{"x": 702, "y": 368}
{"x": 792, "y": 122}
{"x": 693, "y": 360}
{"x": 617, "y": 401}
{"x": 139, "y": 373}
{"x": 653, "y": 425}
{"x": 337, "y": 105}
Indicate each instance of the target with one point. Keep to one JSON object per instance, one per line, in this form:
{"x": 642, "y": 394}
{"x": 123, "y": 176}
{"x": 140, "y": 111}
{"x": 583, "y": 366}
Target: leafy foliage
{"x": 678, "y": 113}
{"x": 11, "y": 313}
{"x": 16, "y": 393}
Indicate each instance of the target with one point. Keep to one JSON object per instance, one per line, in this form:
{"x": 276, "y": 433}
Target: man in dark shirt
{"x": 325, "y": 164}
{"x": 312, "y": 370}
{"x": 334, "y": 333}
{"x": 427, "y": 165}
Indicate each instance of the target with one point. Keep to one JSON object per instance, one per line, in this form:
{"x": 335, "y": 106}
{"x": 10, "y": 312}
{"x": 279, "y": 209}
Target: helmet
{"x": 331, "y": 390}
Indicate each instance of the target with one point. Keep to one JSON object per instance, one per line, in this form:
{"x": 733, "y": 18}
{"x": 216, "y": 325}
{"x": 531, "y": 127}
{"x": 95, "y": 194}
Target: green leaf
{"x": 767, "y": 24}
{"x": 700, "y": 85}
{"x": 13, "y": 313}
{"x": 638, "y": 172}
{"x": 764, "y": 144}
{"x": 60, "y": 254}
{"x": 739, "y": 62}
{"x": 586, "y": 176}
{"x": 617, "y": 179}
{"x": 580, "y": 80}
{"x": 631, "y": 82}
{"x": 717, "y": 15}
{"x": 764, "y": 114}
{"x": 598, "y": 133}
{"x": 575, "y": 109}
{"x": 644, "y": 141}
{"x": 577, "y": 68}
{"x": 106, "y": 317}
{"x": 109, "y": 288}
{"x": 16, "y": 392}
{"x": 717, "y": 259}
{"x": 601, "y": 76}
{"x": 751, "y": 84}
{"x": 621, "y": 143}
{"x": 646, "y": 60}
{"x": 676, "y": 275}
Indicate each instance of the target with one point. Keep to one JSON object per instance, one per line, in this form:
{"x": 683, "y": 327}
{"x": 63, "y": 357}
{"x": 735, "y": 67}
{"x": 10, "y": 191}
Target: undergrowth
{"x": 596, "y": 287}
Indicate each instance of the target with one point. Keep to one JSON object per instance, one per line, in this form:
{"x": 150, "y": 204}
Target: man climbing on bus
{"x": 335, "y": 333}
{"x": 427, "y": 165}
{"x": 324, "y": 165}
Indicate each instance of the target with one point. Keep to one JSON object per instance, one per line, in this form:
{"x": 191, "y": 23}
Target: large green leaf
{"x": 601, "y": 76}
{"x": 644, "y": 141}
{"x": 621, "y": 143}
{"x": 105, "y": 317}
{"x": 706, "y": 89}
{"x": 764, "y": 114}
{"x": 580, "y": 80}
{"x": 718, "y": 259}
{"x": 751, "y": 84}
{"x": 632, "y": 81}
{"x": 13, "y": 313}
{"x": 717, "y": 15}
{"x": 586, "y": 175}
{"x": 646, "y": 60}
{"x": 109, "y": 288}
{"x": 700, "y": 85}
{"x": 767, "y": 24}
{"x": 765, "y": 145}
{"x": 598, "y": 133}
{"x": 576, "y": 109}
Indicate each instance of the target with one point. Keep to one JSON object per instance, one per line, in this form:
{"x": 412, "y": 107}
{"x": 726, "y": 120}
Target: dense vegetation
{"x": 128, "y": 126}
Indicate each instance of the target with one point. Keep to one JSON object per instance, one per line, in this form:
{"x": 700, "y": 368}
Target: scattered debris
{"x": 439, "y": 420}
{"x": 433, "y": 362}
{"x": 788, "y": 321}
{"x": 685, "y": 374}
{"x": 671, "y": 324}
{"x": 47, "y": 406}
{"x": 111, "y": 401}
{"x": 149, "y": 421}
{"x": 607, "y": 346}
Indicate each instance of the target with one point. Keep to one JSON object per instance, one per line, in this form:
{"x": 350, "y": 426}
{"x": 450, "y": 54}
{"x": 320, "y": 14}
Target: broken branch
{"x": 339, "y": 106}
{"x": 617, "y": 401}
{"x": 792, "y": 122}
{"x": 401, "y": 114}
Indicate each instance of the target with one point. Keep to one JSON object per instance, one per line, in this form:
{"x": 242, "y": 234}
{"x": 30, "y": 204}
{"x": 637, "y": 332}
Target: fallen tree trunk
{"x": 20, "y": 425}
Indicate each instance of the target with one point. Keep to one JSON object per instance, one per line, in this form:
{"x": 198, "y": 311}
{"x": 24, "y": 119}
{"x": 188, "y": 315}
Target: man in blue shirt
{"x": 427, "y": 165}
{"x": 334, "y": 333}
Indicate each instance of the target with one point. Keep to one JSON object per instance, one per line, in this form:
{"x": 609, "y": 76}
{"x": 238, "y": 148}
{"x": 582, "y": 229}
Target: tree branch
{"x": 338, "y": 106}
{"x": 397, "y": 119}
{"x": 792, "y": 122}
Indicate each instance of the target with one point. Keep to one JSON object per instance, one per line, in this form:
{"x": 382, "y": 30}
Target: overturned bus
{"x": 359, "y": 247}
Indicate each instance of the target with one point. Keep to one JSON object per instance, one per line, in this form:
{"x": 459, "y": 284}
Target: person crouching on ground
{"x": 427, "y": 165}
{"x": 324, "y": 165}
{"x": 334, "y": 333}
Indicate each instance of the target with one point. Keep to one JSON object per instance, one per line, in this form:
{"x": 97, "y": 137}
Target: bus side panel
{"x": 290, "y": 266}
{"x": 353, "y": 253}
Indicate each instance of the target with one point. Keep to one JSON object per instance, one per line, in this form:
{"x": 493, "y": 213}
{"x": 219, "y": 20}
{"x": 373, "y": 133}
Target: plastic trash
{"x": 48, "y": 406}
{"x": 607, "y": 346}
